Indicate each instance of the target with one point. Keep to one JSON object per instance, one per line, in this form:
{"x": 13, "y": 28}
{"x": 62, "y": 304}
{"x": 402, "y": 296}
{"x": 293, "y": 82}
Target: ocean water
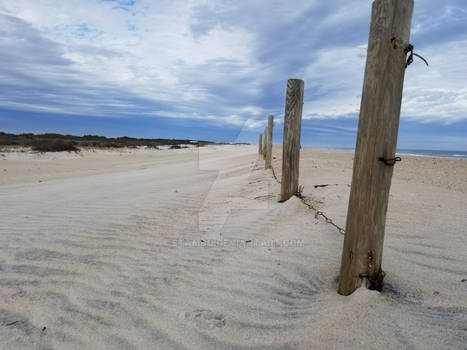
{"x": 423, "y": 152}
{"x": 433, "y": 153}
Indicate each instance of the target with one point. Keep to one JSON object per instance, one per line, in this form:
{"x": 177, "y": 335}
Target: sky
{"x": 214, "y": 69}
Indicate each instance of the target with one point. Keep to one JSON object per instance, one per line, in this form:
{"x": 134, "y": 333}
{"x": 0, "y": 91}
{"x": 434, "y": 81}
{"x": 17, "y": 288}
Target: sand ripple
{"x": 126, "y": 261}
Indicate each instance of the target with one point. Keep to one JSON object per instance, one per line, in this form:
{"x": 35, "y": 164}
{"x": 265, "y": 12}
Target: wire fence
{"x": 308, "y": 202}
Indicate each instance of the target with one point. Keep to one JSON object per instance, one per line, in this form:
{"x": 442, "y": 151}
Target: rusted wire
{"x": 320, "y": 213}
{"x": 409, "y": 50}
{"x": 310, "y": 206}
{"x": 390, "y": 161}
{"x": 274, "y": 174}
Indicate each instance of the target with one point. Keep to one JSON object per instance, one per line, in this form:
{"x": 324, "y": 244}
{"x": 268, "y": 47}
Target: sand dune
{"x": 189, "y": 249}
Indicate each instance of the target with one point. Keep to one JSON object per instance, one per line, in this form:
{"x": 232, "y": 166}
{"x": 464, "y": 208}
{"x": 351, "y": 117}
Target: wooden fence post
{"x": 376, "y": 145}
{"x": 291, "y": 144}
{"x": 265, "y": 141}
{"x": 267, "y": 164}
{"x": 260, "y": 144}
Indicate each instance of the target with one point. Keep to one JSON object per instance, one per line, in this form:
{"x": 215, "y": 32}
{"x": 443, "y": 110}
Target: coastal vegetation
{"x": 52, "y": 142}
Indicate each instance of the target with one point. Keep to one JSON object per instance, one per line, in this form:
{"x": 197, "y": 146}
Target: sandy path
{"x": 117, "y": 258}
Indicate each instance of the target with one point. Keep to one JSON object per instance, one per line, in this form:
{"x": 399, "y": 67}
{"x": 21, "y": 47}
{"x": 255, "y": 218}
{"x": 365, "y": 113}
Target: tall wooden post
{"x": 376, "y": 145}
{"x": 291, "y": 144}
{"x": 260, "y": 144}
{"x": 265, "y": 141}
{"x": 267, "y": 164}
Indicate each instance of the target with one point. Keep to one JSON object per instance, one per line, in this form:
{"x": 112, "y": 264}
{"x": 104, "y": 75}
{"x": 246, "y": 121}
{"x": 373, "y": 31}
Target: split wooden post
{"x": 265, "y": 141}
{"x": 291, "y": 144}
{"x": 376, "y": 145}
{"x": 267, "y": 164}
{"x": 260, "y": 144}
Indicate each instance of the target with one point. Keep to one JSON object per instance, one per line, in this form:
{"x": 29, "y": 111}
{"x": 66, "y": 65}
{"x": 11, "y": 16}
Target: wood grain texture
{"x": 291, "y": 143}
{"x": 265, "y": 141}
{"x": 377, "y": 137}
{"x": 260, "y": 144}
{"x": 267, "y": 164}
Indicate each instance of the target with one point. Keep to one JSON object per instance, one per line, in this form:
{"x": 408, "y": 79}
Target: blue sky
{"x": 214, "y": 69}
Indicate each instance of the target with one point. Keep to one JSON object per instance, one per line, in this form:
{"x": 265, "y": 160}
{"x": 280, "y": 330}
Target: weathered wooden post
{"x": 267, "y": 164}
{"x": 260, "y": 144}
{"x": 265, "y": 150}
{"x": 291, "y": 144}
{"x": 376, "y": 145}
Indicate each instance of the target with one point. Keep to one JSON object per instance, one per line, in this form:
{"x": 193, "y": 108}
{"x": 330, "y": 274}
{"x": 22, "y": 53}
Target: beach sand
{"x": 189, "y": 249}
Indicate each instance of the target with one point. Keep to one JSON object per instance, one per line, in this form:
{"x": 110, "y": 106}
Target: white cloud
{"x": 437, "y": 92}
{"x": 146, "y": 51}
{"x": 224, "y": 61}
{"x": 336, "y": 79}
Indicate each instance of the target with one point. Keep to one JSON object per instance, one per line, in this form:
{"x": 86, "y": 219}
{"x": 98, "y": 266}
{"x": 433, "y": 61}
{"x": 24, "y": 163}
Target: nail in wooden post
{"x": 260, "y": 144}
{"x": 265, "y": 141}
{"x": 267, "y": 164}
{"x": 291, "y": 145}
{"x": 377, "y": 137}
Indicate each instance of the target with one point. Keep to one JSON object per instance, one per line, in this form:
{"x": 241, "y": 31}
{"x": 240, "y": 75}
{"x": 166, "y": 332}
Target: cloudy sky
{"x": 214, "y": 69}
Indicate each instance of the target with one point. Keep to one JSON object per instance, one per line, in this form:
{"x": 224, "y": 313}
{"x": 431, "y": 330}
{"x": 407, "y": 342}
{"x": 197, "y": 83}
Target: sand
{"x": 189, "y": 249}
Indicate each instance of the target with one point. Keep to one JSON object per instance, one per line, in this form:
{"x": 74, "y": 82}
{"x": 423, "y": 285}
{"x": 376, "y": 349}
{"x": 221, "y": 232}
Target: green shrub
{"x": 54, "y": 146}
